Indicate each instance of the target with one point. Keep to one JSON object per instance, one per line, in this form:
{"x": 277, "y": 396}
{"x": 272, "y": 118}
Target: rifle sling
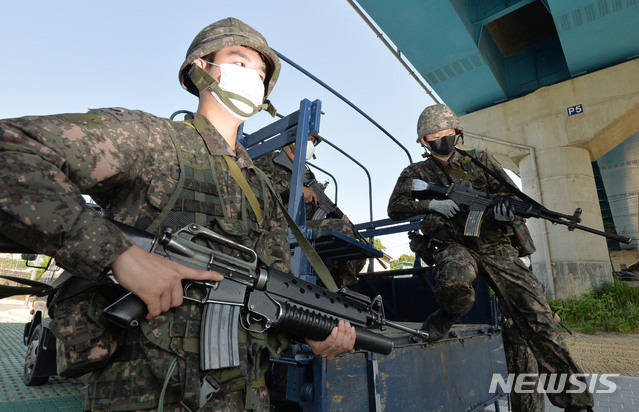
{"x": 200, "y": 125}
{"x": 241, "y": 180}
{"x": 314, "y": 259}
{"x": 514, "y": 190}
{"x": 312, "y": 256}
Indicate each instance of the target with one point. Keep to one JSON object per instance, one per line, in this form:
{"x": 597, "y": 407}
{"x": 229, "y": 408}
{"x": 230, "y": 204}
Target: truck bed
{"x": 453, "y": 374}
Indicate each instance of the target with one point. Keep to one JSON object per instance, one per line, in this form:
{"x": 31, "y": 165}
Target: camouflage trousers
{"x": 520, "y": 360}
{"x": 521, "y": 295}
{"x": 344, "y": 271}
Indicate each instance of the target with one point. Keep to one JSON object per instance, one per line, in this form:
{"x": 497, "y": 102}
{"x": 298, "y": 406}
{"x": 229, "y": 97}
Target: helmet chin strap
{"x": 203, "y": 81}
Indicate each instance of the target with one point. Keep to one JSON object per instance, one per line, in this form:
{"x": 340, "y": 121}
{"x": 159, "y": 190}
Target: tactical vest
{"x": 199, "y": 201}
{"x": 196, "y": 199}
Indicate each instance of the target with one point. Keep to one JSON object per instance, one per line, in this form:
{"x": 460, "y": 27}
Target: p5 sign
{"x": 572, "y": 110}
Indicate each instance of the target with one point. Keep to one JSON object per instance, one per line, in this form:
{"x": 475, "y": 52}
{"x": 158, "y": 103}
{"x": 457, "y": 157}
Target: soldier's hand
{"x": 446, "y": 207}
{"x": 155, "y": 280}
{"x": 504, "y": 211}
{"x": 309, "y": 195}
{"x": 341, "y": 340}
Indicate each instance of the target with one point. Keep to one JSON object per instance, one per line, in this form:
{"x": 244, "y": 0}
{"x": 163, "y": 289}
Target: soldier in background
{"x": 278, "y": 166}
{"x": 459, "y": 260}
{"x": 153, "y": 174}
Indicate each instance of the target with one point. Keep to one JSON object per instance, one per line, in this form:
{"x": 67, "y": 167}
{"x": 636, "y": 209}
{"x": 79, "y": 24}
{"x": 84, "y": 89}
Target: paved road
{"x": 57, "y": 394}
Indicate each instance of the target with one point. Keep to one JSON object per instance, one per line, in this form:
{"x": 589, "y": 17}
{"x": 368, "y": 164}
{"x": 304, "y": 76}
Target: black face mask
{"x": 443, "y": 146}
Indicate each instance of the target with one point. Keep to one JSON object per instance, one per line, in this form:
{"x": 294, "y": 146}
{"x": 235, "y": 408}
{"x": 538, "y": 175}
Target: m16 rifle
{"x": 253, "y": 294}
{"x": 326, "y": 208}
{"x": 476, "y": 202}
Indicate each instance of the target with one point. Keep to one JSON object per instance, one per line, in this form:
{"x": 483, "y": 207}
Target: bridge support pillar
{"x": 578, "y": 260}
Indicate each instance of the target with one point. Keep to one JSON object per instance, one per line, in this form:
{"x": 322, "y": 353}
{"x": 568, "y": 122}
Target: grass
{"x": 613, "y": 307}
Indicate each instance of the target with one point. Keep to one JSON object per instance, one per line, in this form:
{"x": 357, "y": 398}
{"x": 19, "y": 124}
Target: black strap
{"x": 313, "y": 258}
{"x": 443, "y": 169}
{"x": 514, "y": 190}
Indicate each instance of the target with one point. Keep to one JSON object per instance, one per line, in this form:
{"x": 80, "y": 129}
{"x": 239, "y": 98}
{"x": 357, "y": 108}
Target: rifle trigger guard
{"x": 203, "y": 287}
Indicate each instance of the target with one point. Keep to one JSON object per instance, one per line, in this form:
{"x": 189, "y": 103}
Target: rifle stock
{"x": 475, "y": 202}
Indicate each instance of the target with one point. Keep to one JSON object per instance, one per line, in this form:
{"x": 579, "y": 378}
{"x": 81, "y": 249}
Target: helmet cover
{"x": 435, "y": 119}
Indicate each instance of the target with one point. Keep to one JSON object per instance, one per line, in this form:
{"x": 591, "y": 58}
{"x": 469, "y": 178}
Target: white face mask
{"x": 310, "y": 149}
{"x": 237, "y": 80}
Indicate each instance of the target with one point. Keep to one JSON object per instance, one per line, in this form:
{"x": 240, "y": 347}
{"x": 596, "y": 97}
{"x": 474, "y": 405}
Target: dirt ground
{"x": 605, "y": 353}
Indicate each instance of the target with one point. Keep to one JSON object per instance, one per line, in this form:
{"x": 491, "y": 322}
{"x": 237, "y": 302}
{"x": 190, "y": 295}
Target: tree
{"x": 406, "y": 258}
{"x": 377, "y": 244}
{"x": 403, "y": 258}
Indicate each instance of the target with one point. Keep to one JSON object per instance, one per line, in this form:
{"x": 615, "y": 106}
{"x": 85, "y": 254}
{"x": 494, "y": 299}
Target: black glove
{"x": 504, "y": 211}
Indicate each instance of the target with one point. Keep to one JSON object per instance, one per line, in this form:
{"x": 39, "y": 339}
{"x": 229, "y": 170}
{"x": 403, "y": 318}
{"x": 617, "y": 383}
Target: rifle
{"x": 563, "y": 325}
{"x": 252, "y": 293}
{"x": 325, "y": 206}
{"x": 475, "y": 202}
{"x": 327, "y": 209}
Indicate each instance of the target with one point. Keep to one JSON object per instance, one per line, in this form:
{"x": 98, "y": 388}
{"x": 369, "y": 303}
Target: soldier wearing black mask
{"x": 460, "y": 260}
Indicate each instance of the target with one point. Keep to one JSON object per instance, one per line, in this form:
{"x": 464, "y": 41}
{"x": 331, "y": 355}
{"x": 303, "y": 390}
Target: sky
{"x": 70, "y": 56}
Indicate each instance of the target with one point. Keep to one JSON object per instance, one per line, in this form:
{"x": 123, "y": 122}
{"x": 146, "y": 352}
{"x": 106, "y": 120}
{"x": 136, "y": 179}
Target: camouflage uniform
{"x": 520, "y": 360}
{"x": 128, "y": 161}
{"x": 460, "y": 260}
{"x": 344, "y": 271}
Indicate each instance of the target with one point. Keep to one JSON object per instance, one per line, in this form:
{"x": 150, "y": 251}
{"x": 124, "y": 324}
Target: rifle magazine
{"x": 473, "y": 223}
{"x": 219, "y": 346}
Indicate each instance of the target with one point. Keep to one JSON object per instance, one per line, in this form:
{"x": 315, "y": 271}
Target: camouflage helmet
{"x": 435, "y": 119}
{"x": 225, "y": 33}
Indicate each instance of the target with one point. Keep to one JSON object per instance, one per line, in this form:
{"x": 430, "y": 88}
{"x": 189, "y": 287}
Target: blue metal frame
{"x": 295, "y": 127}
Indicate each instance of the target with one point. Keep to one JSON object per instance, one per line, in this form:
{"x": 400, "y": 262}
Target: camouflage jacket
{"x": 127, "y": 163}
{"x": 401, "y": 204}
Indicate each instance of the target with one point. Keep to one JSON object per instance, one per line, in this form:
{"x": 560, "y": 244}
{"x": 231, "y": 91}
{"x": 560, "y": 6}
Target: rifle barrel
{"x": 612, "y": 236}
